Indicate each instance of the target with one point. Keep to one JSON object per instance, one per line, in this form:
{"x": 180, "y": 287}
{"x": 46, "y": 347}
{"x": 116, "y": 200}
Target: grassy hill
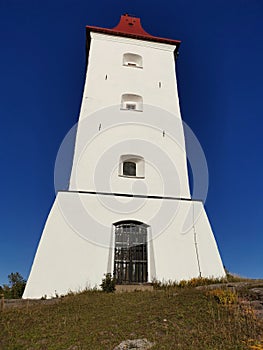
{"x": 171, "y": 317}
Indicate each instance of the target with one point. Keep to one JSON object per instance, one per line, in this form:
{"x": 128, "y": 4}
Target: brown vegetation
{"x": 172, "y": 317}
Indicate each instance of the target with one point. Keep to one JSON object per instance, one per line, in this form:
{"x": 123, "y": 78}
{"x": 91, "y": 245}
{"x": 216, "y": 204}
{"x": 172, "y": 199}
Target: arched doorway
{"x": 130, "y": 256}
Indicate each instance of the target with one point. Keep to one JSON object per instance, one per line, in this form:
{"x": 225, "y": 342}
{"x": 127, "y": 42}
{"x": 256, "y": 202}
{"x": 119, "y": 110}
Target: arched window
{"x": 131, "y": 166}
{"x": 130, "y": 256}
{"x": 131, "y": 102}
{"x": 132, "y": 60}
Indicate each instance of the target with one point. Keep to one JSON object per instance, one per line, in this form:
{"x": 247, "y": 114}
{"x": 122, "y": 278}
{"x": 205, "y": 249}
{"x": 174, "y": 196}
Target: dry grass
{"x": 174, "y": 319}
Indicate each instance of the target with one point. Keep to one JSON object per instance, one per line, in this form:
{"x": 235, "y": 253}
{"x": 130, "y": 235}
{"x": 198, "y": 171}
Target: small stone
{"x": 135, "y": 344}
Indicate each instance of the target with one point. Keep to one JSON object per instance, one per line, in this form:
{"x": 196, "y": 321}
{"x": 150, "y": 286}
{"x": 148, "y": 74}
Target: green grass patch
{"x": 173, "y": 319}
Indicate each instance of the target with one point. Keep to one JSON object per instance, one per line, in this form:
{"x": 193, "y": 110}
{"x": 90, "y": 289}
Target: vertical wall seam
{"x": 196, "y": 245}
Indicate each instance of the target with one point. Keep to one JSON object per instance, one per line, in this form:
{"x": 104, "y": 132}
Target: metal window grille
{"x": 131, "y": 106}
{"x": 130, "y": 261}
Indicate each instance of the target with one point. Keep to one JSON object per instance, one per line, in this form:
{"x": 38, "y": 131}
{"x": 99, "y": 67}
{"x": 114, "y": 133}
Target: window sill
{"x": 132, "y": 177}
{"x": 131, "y": 110}
{"x": 132, "y": 66}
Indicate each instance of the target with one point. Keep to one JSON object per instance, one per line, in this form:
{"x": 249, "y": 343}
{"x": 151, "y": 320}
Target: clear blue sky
{"x": 220, "y": 73}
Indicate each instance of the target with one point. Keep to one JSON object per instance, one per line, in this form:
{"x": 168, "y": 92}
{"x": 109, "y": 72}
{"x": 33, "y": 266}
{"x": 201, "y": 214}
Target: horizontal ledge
{"x": 131, "y": 110}
{"x": 132, "y": 66}
{"x": 132, "y": 177}
{"x": 132, "y": 195}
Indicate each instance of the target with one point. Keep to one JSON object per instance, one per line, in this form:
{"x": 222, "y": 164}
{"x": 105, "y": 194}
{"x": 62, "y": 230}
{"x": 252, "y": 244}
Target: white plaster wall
{"x": 64, "y": 261}
{"x": 97, "y": 168}
{"x": 106, "y": 58}
{"x": 210, "y": 260}
{"x": 76, "y": 247}
{"x": 105, "y": 132}
{"x": 177, "y": 251}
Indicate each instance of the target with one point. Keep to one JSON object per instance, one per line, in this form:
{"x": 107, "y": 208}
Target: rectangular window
{"x": 132, "y": 60}
{"x": 129, "y": 168}
{"x": 131, "y": 102}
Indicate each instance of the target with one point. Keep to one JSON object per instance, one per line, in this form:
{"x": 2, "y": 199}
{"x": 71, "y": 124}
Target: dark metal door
{"x": 130, "y": 260}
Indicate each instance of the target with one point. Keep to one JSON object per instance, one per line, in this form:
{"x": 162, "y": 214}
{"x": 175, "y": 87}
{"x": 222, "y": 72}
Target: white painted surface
{"x": 106, "y": 131}
{"x": 106, "y": 58}
{"x": 76, "y": 247}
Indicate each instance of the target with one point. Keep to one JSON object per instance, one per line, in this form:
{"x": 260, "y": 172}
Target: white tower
{"x": 128, "y": 209}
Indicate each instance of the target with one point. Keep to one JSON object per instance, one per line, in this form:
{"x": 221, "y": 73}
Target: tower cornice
{"x": 131, "y": 27}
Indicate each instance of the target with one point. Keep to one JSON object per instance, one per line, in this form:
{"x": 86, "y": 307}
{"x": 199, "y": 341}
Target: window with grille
{"x": 132, "y": 102}
{"x": 130, "y": 106}
{"x": 130, "y": 258}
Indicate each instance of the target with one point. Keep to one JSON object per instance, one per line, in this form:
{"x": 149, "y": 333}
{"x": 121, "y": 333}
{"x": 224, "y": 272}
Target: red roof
{"x": 131, "y": 27}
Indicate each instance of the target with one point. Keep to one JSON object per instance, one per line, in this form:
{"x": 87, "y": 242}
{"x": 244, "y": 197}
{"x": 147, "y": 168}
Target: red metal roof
{"x": 131, "y": 27}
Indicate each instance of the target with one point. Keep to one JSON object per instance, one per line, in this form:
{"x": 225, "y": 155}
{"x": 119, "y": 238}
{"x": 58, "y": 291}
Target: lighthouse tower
{"x": 128, "y": 209}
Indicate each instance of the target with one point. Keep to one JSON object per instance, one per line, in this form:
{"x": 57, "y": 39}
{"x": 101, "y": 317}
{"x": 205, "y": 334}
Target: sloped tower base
{"x": 78, "y": 246}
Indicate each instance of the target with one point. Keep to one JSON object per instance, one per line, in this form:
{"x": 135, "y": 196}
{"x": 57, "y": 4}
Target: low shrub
{"x": 224, "y": 296}
{"x": 192, "y": 283}
{"x": 108, "y": 283}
